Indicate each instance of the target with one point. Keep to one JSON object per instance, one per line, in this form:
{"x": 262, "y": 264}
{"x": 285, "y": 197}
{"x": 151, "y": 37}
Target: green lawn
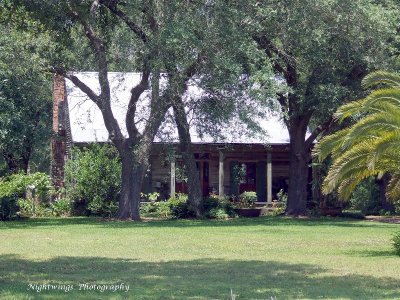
{"x": 256, "y": 258}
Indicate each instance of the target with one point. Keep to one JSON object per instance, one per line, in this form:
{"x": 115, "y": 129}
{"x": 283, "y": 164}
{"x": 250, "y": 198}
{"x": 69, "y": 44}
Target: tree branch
{"x": 100, "y": 51}
{"x": 269, "y": 48}
{"x": 104, "y": 99}
{"x": 112, "y": 5}
{"x": 135, "y": 94}
{"x": 80, "y": 84}
{"x": 320, "y": 129}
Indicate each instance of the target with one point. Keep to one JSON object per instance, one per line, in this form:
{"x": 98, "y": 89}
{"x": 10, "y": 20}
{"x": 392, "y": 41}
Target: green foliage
{"x": 247, "y": 199}
{"x": 179, "y": 207}
{"x": 154, "y": 207}
{"x": 30, "y": 208}
{"x": 396, "y": 243}
{"x": 8, "y": 208}
{"x": 280, "y": 204}
{"x": 216, "y": 208}
{"x": 366, "y": 198}
{"x": 370, "y": 147}
{"x": 396, "y": 204}
{"x": 152, "y": 197}
{"x": 61, "y": 207}
{"x": 217, "y": 213}
{"x": 92, "y": 179}
{"x": 159, "y": 209}
{"x": 15, "y": 186}
{"x": 25, "y": 99}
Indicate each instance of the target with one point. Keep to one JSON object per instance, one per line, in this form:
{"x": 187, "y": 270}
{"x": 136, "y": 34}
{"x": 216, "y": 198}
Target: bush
{"x": 365, "y": 198}
{"x": 396, "y": 205}
{"x": 93, "y": 180}
{"x": 216, "y": 208}
{"x": 217, "y": 213}
{"x": 29, "y": 208}
{"x": 15, "y": 186}
{"x": 179, "y": 207}
{"x": 211, "y": 202}
{"x": 280, "y": 203}
{"x": 61, "y": 207}
{"x": 247, "y": 199}
{"x": 8, "y": 208}
{"x": 396, "y": 243}
{"x": 159, "y": 209}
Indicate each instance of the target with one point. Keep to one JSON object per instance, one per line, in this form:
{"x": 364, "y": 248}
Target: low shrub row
{"x": 178, "y": 208}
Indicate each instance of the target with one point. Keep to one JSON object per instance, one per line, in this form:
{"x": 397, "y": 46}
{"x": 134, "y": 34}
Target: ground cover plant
{"x": 200, "y": 259}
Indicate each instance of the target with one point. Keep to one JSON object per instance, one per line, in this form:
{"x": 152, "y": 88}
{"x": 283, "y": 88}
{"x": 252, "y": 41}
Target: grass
{"x": 256, "y": 258}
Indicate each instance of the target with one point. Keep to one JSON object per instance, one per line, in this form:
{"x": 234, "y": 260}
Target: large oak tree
{"x": 322, "y": 49}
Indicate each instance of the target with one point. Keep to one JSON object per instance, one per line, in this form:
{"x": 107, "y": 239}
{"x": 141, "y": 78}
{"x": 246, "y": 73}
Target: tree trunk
{"x": 298, "y": 170}
{"x": 195, "y": 197}
{"x": 134, "y": 166}
{"x": 127, "y": 174}
{"x": 382, "y": 183}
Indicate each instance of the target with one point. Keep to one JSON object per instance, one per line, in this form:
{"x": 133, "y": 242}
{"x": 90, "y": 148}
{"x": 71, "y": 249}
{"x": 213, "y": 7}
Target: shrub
{"x": 280, "y": 203}
{"x": 14, "y": 187}
{"x": 247, "y": 199}
{"x": 396, "y": 205}
{"x": 61, "y": 207}
{"x": 8, "y": 208}
{"x": 29, "y": 208}
{"x": 92, "y": 180}
{"x": 396, "y": 243}
{"x": 160, "y": 209}
{"x": 365, "y": 198}
{"x": 211, "y": 202}
{"x": 179, "y": 207}
{"x": 217, "y": 213}
{"x": 216, "y": 208}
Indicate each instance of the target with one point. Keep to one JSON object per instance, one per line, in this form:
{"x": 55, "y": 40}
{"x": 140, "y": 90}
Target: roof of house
{"x": 87, "y": 124}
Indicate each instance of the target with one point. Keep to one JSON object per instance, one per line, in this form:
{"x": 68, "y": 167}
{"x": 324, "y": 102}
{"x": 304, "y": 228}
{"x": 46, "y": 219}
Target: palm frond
{"x": 381, "y": 77}
{"x": 370, "y": 147}
{"x": 330, "y": 144}
{"x": 393, "y": 187}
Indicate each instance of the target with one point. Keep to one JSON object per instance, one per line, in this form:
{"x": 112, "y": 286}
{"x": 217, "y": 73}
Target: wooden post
{"x": 269, "y": 178}
{"x": 172, "y": 177}
{"x": 221, "y": 175}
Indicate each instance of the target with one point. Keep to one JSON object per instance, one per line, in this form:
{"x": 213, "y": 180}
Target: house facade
{"x": 226, "y": 167}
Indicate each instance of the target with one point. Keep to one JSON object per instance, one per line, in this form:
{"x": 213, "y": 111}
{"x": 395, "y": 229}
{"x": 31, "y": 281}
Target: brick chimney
{"x": 59, "y": 141}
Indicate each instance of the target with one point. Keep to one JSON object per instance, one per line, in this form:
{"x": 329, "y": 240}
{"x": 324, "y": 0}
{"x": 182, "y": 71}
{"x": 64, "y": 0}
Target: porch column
{"x": 221, "y": 175}
{"x": 172, "y": 177}
{"x": 269, "y": 178}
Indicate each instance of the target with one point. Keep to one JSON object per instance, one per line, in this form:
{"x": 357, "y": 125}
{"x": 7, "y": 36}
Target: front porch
{"x": 224, "y": 169}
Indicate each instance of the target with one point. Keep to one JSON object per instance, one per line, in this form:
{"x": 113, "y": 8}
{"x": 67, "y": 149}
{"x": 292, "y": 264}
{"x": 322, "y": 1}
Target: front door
{"x": 248, "y": 178}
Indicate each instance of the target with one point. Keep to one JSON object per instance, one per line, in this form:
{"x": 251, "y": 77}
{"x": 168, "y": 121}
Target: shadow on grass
{"x": 199, "y": 279}
{"x": 261, "y": 221}
{"x": 372, "y": 253}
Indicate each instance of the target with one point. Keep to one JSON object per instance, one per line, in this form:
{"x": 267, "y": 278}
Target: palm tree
{"x": 370, "y": 147}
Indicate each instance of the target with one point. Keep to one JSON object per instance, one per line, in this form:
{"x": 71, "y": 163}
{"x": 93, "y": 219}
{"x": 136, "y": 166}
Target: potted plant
{"x": 246, "y": 207}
